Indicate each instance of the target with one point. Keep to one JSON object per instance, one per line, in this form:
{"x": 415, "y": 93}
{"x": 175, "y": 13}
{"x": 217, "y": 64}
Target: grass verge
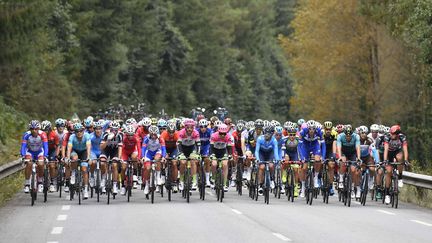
{"x": 416, "y": 195}
{"x": 9, "y": 186}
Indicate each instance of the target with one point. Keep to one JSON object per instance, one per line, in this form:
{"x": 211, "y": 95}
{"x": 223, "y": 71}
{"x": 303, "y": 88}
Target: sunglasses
{"x": 202, "y": 126}
{"x": 98, "y": 128}
{"x": 80, "y": 131}
{"x": 222, "y": 134}
{"x": 291, "y": 134}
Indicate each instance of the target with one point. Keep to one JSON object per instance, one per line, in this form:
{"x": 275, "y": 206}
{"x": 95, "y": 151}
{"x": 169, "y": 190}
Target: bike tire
{"x": 60, "y": 180}
{"x": 311, "y": 188}
{"x": 349, "y": 189}
{"x": 98, "y": 189}
{"x": 152, "y": 190}
{"x": 33, "y": 189}
{"x": 45, "y": 184}
{"x": 292, "y": 184}
{"x": 365, "y": 189}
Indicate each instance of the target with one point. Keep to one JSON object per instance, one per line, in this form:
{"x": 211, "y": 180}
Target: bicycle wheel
{"x": 60, "y": 179}
{"x": 98, "y": 179}
{"x": 239, "y": 177}
{"x": 324, "y": 186}
{"x": 188, "y": 184}
{"x": 256, "y": 185}
{"x": 33, "y": 189}
{"x": 45, "y": 183}
{"x": 291, "y": 185}
{"x": 311, "y": 187}
{"x": 78, "y": 185}
{"x": 152, "y": 185}
{"x": 349, "y": 187}
{"x": 394, "y": 190}
{"x": 364, "y": 189}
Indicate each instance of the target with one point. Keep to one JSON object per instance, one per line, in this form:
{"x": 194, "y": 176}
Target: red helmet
{"x": 340, "y": 128}
{"x": 200, "y": 117}
{"x": 223, "y": 128}
{"x": 395, "y": 129}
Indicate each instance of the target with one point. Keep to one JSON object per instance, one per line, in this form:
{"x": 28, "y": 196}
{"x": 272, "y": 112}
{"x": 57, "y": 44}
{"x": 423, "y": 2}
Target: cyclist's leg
{"x": 400, "y": 168}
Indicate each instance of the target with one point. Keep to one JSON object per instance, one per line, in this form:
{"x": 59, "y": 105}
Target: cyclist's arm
{"x": 339, "y": 146}
{"x": 323, "y": 149}
{"x": 375, "y": 154}
{"x": 275, "y": 149}
{"x": 405, "y": 151}
{"x": 386, "y": 146}
{"x": 69, "y": 150}
{"x": 257, "y": 148}
{"x": 24, "y": 146}
{"x": 45, "y": 143}
{"x": 88, "y": 146}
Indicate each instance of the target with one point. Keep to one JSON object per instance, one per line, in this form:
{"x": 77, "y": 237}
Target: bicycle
{"x": 325, "y": 187}
{"x": 60, "y": 177}
{"x": 168, "y": 179}
{"x": 239, "y": 175}
{"x": 347, "y": 182}
{"x": 278, "y": 181}
{"x": 309, "y": 184}
{"x": 46, "y": 180}
{"x": 129, "y": 179}
{"x": 202, "y": 179}
{"x": 290, "y": 182}
{"x": 219, "y": 182}
{"x": 364, "y": 184}
{"x": 78, "y": 186}
{"x": 394, "y": 188}
{"x": 187, "y": 180}
{"x": 253, "y": 181}
{"x": 33, "y": 180}
{"x": 267, "y": 179}
{"x": 109, "y": 181}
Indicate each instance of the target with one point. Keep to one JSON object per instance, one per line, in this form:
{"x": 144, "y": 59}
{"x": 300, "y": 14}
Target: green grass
{"x": 9, "y": 186}
{"x": 416, "y": 195}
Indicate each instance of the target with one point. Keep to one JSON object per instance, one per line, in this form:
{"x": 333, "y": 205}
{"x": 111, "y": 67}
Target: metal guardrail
{"x": 10, "y": 168}
{"x": 424, "y": 181}
{"x": 419, "y": 180}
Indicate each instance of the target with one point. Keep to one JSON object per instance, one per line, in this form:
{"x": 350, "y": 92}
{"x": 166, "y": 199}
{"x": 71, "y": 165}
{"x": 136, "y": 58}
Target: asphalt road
{"x": 237, "y": 219}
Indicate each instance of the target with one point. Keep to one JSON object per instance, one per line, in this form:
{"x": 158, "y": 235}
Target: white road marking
{"x": 65, "y": 207}
{"x": 52, "y": 241}
{"x": 236, "y": 211}
{"x": 57, "y": 230}
{"x": 421, "y": 222}
{"x": 386, "y": 212}
{"x": 282, "y": 237}
{"x": 356, "y": 202}
{"x": 62, "y": 217}
{"x": 210, "y": 193}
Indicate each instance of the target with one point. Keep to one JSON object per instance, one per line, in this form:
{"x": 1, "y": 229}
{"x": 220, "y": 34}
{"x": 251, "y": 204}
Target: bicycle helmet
{"x": 348, "y": 130}
{"x": 374, "y": 128}
{"x": 217, "y": 123}
{"x": 115, "y": 125}
{"x": 130, "y": 130}
{"x": 60, "y": 122}
{"x": 200, "y": 117}
{"x": 395, "y": 129}
{"x": 240, "y": 127}
{"x": 311, "y": 124}
{"x": 223, "y": 128}
{"x": 162, "y": 123}
{"x": 78, "y": 127}
{"x": 171, "y": 127}
{"x": 88, "y": 123}
{"x": 154, "y": 121}
{"x": 153, "y": 129}
{"x": 278, "y": 129}
{"x": 387, "y": 130}
{"x": 300, "y": 121}
{"x": 328, "y": 125}
{"x": 46, "y": 125}
{"x": 34, "y": 124}
{"x": 189, "y": 123}
{"x": 146, "y": 122}
{"x": 340, "y": 128}
{"x": 90, "y": 118}
{"x": 291, "y": 129}
{"x": 98, "y": 124}
{"x": 203, "y": 123}
{"x": 363, "y": 129}
{"x": 268, "y": 130}
{"x": 228, "y": 121}
{"x": 259, "y": 123}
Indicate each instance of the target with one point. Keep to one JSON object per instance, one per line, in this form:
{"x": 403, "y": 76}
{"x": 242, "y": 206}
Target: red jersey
{"x": 141, "y": 134}
{"x": 170, "y": 139}
{"x": 53, "y": 140}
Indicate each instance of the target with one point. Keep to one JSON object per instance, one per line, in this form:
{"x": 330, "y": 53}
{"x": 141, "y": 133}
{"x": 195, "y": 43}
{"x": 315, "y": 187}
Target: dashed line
{"x": 421, "y": 222}
{"x": 57, "y": 230}
{"x": 62, "y": 217}
{"x": 386, "y": 212}
{"x": 52, "y": 241}
{"x": 210, "y": 193}
{"x": 66, "y": 207}
{"x": 281, "y": 237}
{"x": 236, "y": 211}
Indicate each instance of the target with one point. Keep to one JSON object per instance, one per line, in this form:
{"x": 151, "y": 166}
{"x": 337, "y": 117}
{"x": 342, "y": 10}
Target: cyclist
{"x": 348, "y": 148}
{"x": 329, "y": 151}
{"x": 309, "y": 138}
{"x": 142, "y": 130}
{"x": 34, "y": 146}
{"x": 374, "y": 128}
{"x": 238, "y": 148}
{"x": 170, "y": 136}
{"x": 189, "y": 146}
{"x": 79, "y": 147}
{"x": 221, "y": 148}
{"x": 95, "y": 139}
{"x": 131, "y": 151}
{"x": 266, "y": 150}
{"x": 111, "y": 147}
{"x": 395, "y": 149}
{"x": 162, "y": 125}
{"x": 53, "y": 152}
{"x": 249, "y": 144}
{"x": 88, "y": 123}
{"x": 61, "y": 132}
{"x": 205, "y": 134}
{"x": 153, "y": 151}
{"x": 367, "y": 148}
{"x": 290, "y": 153}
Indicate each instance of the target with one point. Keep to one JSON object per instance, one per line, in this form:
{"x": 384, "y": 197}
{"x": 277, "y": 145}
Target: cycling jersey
{"x": 151, "y": 147}
{"x": 309, "y": 144}
{"x": 61, "y": 137}
{"x": 131, "y": 144}
{"x": 220, "y": 146}
{"x": 79, "y": 145}
{"x": 34, "y": 146}
{"x": 170, "y": 142}
{"x": 348, "y": 147}
{"x": 205, "y": 141}
{"x": 188, "y": 142}
{"x": 141, "y": 132}
{"x": 251, "y": 139}
{"x": 291, "y": 149}
{"x": 396, "y": 144}
{"x": 53, "y": 141}
{"x": 328, "y": 141}
{"x": 237, "y": 142}
{"x": 266, "y": 150}
{"x": 95, "y": 145}
{"x": 113, "y": 141}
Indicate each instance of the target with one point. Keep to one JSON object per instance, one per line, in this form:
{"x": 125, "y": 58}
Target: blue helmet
{"x": 34, "y": 124}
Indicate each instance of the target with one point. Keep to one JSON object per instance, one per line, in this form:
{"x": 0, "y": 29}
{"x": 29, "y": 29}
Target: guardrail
{"x": 10, "y": 168}
{"x": 409, "y": 178}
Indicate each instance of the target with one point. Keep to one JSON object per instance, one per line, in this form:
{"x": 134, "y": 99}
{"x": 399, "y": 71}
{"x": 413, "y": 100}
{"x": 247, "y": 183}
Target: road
{"x": 237, "y": 219}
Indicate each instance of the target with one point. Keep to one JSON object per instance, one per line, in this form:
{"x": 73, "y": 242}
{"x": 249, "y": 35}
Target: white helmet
{"x": 203, "y": 123}
{"x": 146, "y": 121}
{"x": 153, "y": 129}
{"x": 130, "y": 130}
{"x": 374, "y": 128}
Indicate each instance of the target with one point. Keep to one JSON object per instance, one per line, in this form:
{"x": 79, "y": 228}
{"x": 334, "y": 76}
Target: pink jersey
{"x": 188, "y": 140}
{"x": 221, "y": 142}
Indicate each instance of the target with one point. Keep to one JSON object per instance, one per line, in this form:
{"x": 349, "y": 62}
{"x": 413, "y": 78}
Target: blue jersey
{"x": 79, "y": 145}
{"x": 95, "y": 143}
{"x": 262, "y": 145}
{"x": 281, "y": 146}
{"x": 205, "y": 136}
{"x": 342, "y": 141}
{"x": 310, "y": 144}
{"x": 307, "y": 138}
